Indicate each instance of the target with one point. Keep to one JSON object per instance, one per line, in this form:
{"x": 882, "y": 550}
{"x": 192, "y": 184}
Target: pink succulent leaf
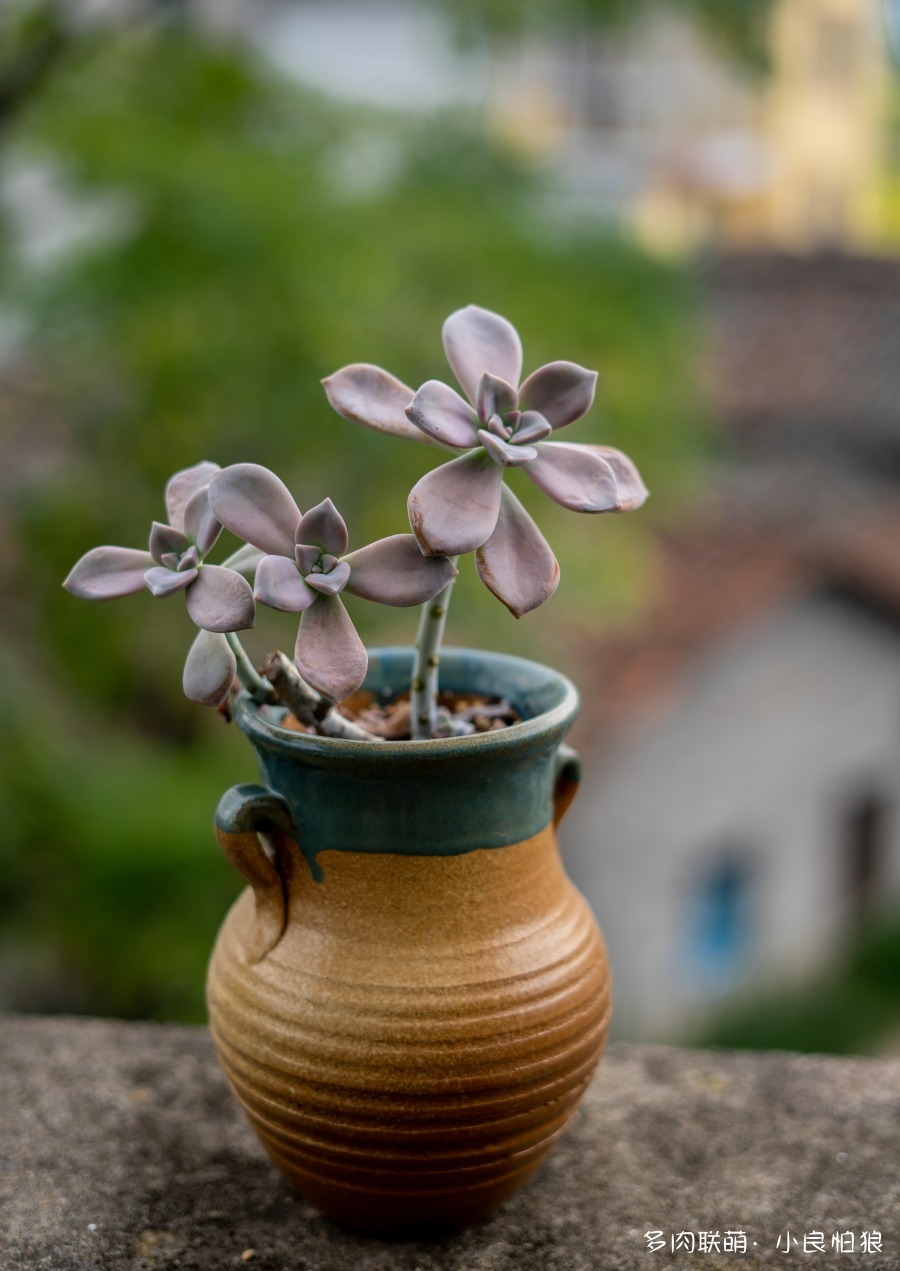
{"x": 221, "y": 600}
{"x": 201, "y": 524}
{"x": 503, "y": 453}
{"x": 532, "y": 427}
{"x": 329, "y": 654}
{"x": 209, "y": 670}
{"x": 257, "y": 506}
{"x": 453, "y": 509}
{"x": 165, "y": 541}
{"x": 327, "y": 562}
{"x": 245, "y": 560}
{"x": 367, "y": 395}
{"x": 499, "y": 429}
{"x": 306, "y": 555}
{"x": 323, "y": 526}
{"x": 279, "y": 585}
{"x": 475, "y": 341}
{"x": 494, "y": 397}
{"x": 183, "y": 486}
{"x": 560, "y": 391}
{"x": 393, "y": 571}
{"x": 160, "y": 581}
{"x": 516, "y": 563}
{"x": 575, "y": 477}
{"x": 171, "y": 560}
{"x": 331, "y": 583}
{"x": 632, "y": 491}
{"x": 190, "y": 559}
{"x": 441, "y": 413}
{"x": 106, "y": 573}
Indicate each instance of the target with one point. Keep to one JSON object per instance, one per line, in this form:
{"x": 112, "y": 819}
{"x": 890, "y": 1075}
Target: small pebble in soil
{"x": 391, "y": 720}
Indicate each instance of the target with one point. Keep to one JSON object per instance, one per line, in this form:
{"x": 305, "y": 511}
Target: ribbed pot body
{"x": 408, "y": 1030}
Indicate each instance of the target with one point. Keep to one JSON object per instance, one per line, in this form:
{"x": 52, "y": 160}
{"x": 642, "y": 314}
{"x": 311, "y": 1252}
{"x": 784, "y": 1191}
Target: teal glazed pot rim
{"x": 547, "y": 699}
{"x": 413, "y": 798}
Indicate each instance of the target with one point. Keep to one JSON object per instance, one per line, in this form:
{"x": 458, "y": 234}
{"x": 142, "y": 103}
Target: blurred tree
{"x": 739, "y": 27}
{"x": 253, "y": 238}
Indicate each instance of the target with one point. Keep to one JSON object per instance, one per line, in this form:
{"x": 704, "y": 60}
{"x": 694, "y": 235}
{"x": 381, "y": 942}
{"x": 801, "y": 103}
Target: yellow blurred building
{"x": 654, "y": 126}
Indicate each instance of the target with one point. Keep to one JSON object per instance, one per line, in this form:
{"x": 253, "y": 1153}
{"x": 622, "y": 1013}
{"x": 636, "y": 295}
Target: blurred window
{"x": 837, "y": 51}
{"x": 718, "y": 923}
{"x": 863, "y": 850}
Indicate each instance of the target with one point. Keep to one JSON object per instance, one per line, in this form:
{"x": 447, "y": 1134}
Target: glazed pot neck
{"x": 423, "y": 798}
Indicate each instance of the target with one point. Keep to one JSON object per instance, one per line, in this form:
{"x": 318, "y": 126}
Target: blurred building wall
{"x": 654, "y": 126}
{"x": 737, "y": 841}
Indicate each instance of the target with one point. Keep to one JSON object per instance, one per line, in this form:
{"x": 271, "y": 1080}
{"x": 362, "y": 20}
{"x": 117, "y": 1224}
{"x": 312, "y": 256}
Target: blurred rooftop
{"x": 805, "y": 343}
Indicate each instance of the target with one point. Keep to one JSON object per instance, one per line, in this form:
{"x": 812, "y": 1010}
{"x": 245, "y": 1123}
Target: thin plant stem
{"x": 258, "y": 688}
{"x": 309, "y": 706}
{"x": 424, "y": 687}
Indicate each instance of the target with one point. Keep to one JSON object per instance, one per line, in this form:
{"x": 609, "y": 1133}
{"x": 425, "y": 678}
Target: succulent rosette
{"x": 306, "y": 567}
{"x": 464, "y": 505}
{"x": 218, "y": 599}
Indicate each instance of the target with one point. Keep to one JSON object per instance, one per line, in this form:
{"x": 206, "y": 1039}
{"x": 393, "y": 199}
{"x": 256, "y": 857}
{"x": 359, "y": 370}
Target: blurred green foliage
{"x": 255, "y": 238}
{"x": 739, "y": 27}
{"x": 852, "y": 1010}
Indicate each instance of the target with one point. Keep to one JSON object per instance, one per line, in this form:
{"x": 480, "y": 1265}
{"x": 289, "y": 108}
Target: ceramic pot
{"x": 410, "y": 997}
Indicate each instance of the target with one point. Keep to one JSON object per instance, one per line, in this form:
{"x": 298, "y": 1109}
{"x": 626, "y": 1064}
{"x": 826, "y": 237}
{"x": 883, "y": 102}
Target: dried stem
{"x": 424, "y": 688}
{"x": 309, "y": 706}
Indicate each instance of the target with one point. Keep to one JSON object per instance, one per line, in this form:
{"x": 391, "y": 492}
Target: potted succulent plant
{"x": 410, "y": 996}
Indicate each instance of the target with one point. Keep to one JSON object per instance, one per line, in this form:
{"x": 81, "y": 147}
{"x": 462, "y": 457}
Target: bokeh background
{"x": 205, "y": 207}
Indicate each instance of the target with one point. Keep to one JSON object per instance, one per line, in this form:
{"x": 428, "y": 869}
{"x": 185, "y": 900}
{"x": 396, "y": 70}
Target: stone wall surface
{"x": 122, "y": 1150}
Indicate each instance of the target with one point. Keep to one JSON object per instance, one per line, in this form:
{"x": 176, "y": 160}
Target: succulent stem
{"x": 309, "y": 706}
{"x": 258, "y": 688}
{"x": 424, "y": 687}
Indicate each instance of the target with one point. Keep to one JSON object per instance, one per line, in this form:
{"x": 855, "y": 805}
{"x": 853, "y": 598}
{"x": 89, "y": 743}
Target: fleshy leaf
{"x": 516, "y": 563}
{"x": 201, "y": 524}
{"x": 494, "y": 397}
{"x": 453, "y": 509}
{"x": 279, "y": 585}
{"x": 329, "y": 654}
{"x": 245, "y": 560}
{"x": 575, "y": 476}
{"x": 106, "y": 573}
{"x": 367, "y": 395}
{"x": 331, "y": 583}
{"x": 503, "y": 453}
{"x": 190, "y": 560}
{"x": 476, "y": 341}
{"x": 257, "y": 506}
{"x": 221, "y": 600}
{"x": 392, "y": 571}
{"x": 560, "y": 391}
{"x": 306, "y": 555}
{"x": 160, "y": 581}
{"x": 166, "y": 541}
{"x": 532, "y": 427}
{"x": 323, "y": 526}
{"x": 632, "y": 491}
{"x": 209, "y": 670}
{"x": 183, "y": 486}
{"x": 441, "y": 413}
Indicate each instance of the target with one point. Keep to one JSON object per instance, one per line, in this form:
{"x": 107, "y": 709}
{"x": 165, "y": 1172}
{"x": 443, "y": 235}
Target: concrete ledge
{"x": 121, "y": 1150}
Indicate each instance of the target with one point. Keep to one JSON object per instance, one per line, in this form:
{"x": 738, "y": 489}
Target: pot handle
{"x": 245, "y": 812}
{"x": 568, "y": 778}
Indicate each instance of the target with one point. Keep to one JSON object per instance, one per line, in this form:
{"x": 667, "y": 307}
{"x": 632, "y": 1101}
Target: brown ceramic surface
{"x": 413, "y": 1043}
